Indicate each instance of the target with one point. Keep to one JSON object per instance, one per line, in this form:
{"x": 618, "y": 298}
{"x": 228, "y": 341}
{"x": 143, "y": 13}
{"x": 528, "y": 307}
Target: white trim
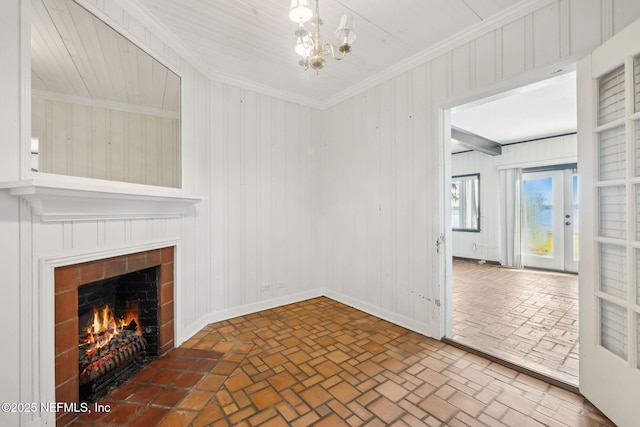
{"x": 44, "y": 305}
{"x": 243, "y": 310}
{"x": 540, "y": 163}
{"x": 70, "y": 200}
{"x": 395, "y": 318}
{"x": 108, "y": 105}
{"x": 465, "y": 36}
{"x": 230, "y": 313}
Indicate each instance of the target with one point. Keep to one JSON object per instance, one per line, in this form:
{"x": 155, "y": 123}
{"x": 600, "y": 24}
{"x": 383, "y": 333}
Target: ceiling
{"x": 250, "y": 43}
{"x": 544, "y": 109}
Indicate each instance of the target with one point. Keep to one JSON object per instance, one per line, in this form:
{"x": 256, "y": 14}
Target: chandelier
{"x": 309, "y": 46}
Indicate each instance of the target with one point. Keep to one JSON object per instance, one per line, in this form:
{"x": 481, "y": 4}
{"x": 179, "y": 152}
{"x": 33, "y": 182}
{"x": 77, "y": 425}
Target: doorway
{"x": 524, "y": 316}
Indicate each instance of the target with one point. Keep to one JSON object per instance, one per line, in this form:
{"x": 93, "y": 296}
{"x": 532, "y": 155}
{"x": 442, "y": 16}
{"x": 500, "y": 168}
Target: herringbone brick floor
{"x": 527, "y": 317}
{"x": 322, "y": 363}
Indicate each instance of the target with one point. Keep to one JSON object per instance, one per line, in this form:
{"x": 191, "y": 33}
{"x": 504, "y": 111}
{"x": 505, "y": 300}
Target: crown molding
{"x": 144, "y": 16}
{"x": 465, "y": 36}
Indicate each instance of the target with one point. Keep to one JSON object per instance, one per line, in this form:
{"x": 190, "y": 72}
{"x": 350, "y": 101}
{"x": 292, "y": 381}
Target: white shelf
{"x": 64, "y": 200}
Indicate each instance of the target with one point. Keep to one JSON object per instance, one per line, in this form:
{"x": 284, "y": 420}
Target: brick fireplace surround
{"x": 67, "y": 281}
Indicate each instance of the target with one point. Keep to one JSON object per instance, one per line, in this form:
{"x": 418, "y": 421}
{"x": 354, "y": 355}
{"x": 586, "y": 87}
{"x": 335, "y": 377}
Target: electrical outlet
{"x": 266, "y": 287}
{"x": 282, "y": 284}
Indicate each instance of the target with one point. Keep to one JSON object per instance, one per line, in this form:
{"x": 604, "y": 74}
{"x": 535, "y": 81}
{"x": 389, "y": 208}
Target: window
{"x": 465, "y": 202}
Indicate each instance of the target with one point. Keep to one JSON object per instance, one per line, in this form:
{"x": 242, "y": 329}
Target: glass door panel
{"x": 542, "y": 220}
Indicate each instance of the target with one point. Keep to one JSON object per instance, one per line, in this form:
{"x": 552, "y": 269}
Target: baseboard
{"x": 483, "y": 261}
{"x": 396, "y": 319}
{"x": 243, "y": 310}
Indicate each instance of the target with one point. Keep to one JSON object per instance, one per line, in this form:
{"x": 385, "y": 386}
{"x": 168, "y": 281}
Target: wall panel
{"x": 261, "y": 197}
{"x": 513, "y": 52}
{"x": 484, "y": 60}
{"x": 546, "y": 32}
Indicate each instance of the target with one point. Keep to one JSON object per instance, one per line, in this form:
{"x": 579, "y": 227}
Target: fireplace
{"x": 118, "y": 320}
{"x": 128, "y": 297}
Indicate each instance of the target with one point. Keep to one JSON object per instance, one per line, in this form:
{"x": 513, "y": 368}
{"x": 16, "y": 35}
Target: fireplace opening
{"x": 118, "y": 330}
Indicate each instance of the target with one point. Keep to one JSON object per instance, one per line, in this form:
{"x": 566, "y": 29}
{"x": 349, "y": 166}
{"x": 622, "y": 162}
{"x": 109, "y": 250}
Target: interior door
{"x": 609, "y": 160}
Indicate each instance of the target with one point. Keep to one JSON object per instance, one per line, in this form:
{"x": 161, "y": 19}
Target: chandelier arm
{"x": 310, "y": 42}
{"x": 330, "y": 49}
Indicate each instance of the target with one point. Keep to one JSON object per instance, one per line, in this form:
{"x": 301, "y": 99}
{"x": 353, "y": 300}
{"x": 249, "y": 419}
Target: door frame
{"x": 445, "y": 326}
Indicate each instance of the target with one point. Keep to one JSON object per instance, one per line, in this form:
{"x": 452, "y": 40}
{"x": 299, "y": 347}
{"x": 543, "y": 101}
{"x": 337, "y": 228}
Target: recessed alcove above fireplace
{"x": 97, "y": 277}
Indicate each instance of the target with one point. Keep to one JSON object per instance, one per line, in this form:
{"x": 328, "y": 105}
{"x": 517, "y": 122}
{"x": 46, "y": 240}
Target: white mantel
{"x": 55, "y": 199}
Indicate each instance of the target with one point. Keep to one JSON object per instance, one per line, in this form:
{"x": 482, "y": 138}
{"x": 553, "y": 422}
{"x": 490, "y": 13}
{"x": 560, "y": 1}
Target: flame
{"x": 104, "y": 327}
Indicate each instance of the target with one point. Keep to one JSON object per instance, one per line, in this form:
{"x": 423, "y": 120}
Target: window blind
{"x": 611, "y": 150}
{"x": 612, "y": 211}
{"x": 611, "y": 96}
{"x": 613, "y": 275}
{"x": 613, "y": 328}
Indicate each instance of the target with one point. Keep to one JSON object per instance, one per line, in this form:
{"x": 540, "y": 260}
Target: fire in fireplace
{"x": 109, "y": 343}
{"x": 118, "y": 320}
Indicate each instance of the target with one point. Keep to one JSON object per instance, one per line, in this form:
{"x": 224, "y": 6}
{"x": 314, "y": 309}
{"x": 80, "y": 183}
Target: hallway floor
{"x": 527, "y": 317}
{"x": 322, "y": 363}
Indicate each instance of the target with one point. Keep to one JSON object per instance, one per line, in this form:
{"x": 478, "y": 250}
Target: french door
{"x": 550, "y": 219}
{"x": 609, "y": 159}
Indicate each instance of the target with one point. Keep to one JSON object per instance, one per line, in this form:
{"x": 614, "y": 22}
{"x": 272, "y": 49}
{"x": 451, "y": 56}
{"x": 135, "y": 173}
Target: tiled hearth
{"x": 67, "y": 281}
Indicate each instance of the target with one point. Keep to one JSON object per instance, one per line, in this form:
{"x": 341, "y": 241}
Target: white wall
{"x": 548, "y": 151}
{"x": 260, "y": 169}
{"x": 382, "y": 163}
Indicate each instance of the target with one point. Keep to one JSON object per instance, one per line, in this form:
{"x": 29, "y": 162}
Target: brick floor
{"x": 527, "y": 317}
{"x": 322, "y": 363}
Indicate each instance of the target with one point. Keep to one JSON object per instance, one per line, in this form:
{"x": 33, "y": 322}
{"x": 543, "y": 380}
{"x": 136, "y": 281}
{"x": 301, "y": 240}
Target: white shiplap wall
{"x": 261, "y": 168}
{"x": 549, "y": 151}
{"x": 382, "y": 166}
{"x": 376, "y": 231}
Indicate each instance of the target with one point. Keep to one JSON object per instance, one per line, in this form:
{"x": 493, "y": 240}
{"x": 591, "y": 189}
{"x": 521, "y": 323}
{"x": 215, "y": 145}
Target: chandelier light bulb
{"x": 346, "y": 30}
{"x": 304, "y": 45}
{"x": 300, "y": 11}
